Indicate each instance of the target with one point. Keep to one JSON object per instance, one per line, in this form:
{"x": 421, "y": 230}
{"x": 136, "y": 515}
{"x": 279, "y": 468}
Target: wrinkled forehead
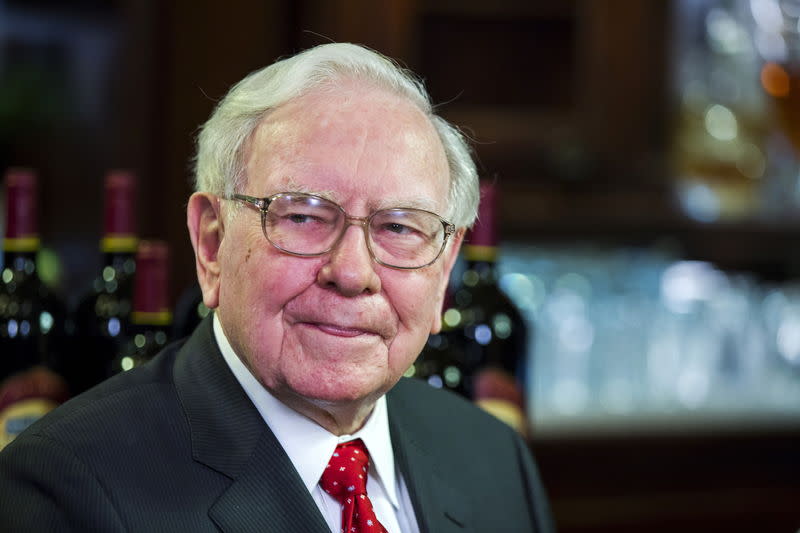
{"x": 335, "y": 143}
{"x": 386, "y": 201}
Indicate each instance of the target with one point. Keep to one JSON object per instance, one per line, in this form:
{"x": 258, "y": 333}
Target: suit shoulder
{"x": 442, "y": 407}
{"x": 453, "y": 432}
{"x": 130, "y": 396}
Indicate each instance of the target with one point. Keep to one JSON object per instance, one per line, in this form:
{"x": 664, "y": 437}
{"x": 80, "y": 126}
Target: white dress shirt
{"x": 310, "y": 446}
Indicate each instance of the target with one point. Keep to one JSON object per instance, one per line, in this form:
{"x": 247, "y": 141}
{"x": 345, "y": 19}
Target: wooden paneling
{"x": 624, "y": 87}
{"x": 737, "y": 481}
{"x": 386, "y": 26}
{"x": 205, "y": 48}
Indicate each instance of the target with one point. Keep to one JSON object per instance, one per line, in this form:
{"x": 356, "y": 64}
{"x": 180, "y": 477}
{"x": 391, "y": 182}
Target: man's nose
{"x": 350, "y": 268}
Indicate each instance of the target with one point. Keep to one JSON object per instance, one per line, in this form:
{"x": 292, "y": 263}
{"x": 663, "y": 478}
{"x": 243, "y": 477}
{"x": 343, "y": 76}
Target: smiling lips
{"x": 341, "y": 331}
{"x": 343, "y": 322}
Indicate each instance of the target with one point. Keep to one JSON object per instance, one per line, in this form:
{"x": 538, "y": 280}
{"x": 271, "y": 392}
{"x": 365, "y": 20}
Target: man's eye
{"x": 299, "y": 218}
{"x": 401, "y": 230}
{"x": 394, "y": 227}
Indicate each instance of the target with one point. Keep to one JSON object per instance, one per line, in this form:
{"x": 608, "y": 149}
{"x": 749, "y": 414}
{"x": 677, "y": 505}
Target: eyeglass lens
{"x": 310, "y": 225}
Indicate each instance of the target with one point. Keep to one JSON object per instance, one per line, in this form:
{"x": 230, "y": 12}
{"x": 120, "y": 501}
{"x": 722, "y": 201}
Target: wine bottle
{"x": 151, "y": 319}
{"x": 102, "y": 318}
{"x": 493, "y": 331}
{"x": 441, "y": 362}
{"x": 31, "y": 317}
{"x": 189, "y": 312}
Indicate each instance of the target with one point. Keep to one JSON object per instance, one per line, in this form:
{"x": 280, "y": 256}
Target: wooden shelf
{"x": 606, "y": 216}
{"x": 662, "y": 482}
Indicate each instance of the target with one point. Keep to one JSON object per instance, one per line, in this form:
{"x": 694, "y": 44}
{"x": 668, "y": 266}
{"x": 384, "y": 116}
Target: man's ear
{"x": 449, "y": 257}
{"x": 206, "y": 230}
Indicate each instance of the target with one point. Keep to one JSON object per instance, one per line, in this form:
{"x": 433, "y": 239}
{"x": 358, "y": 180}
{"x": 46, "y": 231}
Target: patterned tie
{"x": 345, "y": 478}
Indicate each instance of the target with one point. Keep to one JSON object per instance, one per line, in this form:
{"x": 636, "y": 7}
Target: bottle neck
{"x": 481, "y": 264}
{"x": 150, "y": 305}
{"x": 119, "y": 224}
{"x": 119, "y": 242}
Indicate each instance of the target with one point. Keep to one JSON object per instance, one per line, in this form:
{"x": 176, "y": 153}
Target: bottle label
{"x": 157, "y": 318}
{"x": 496, "y": 392}
{"x": 118, "y": 244}
{"x": 505, "y": 411}
{"x": 15, "y": 418}
{"x": 21, "y": 244}
{"x": 475, "y": 252}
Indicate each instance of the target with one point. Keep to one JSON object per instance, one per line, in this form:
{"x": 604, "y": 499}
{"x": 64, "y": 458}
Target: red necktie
{"x": 345, "y": 478}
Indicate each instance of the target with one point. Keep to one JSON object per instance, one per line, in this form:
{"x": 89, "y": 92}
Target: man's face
{"x": 339, "y": 327}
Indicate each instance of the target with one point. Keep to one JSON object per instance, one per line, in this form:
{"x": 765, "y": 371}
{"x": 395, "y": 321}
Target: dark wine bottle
{"x": 31, "y": 317}
{"x": 151, "y": 319}
{"x": 189, "y": 312}
{"x": 441, "y": 362}
{"x": 102, "y": 318}
{"x": 493, "y": 331}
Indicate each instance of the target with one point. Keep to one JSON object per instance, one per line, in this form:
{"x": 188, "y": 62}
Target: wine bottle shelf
{"x": 639, "y": 337}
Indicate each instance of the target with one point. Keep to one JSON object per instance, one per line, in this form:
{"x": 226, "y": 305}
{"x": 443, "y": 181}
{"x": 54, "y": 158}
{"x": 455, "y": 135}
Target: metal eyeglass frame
{"x": 262, "y": 204}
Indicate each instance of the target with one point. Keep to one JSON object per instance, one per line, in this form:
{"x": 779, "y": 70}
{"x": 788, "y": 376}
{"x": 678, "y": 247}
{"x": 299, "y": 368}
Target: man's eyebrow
{"x": 291, "y": 185}
{"x": 414, "y": 202}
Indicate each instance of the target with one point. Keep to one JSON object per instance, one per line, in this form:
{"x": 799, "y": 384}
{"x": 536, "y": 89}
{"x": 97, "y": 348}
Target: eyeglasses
{"x": 308, "y": 225}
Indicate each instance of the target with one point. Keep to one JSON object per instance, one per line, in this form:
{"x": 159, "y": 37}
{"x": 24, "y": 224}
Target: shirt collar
{"x": 309, "y": 445}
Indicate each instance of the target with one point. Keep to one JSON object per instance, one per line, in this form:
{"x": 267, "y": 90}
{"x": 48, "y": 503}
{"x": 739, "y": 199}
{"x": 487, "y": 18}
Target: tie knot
{"x": 346, "y": 473}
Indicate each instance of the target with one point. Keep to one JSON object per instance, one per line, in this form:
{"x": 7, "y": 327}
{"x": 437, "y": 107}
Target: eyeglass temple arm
{"x": 258, "y": 203}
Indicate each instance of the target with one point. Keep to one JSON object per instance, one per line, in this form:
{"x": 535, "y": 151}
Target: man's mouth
{"x": 342, "y": 322}
{"x": 341, "y": 331}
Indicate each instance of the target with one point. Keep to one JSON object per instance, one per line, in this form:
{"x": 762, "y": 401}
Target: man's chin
{"x": 344, "y": 394}
{"x": 348, "y": 390}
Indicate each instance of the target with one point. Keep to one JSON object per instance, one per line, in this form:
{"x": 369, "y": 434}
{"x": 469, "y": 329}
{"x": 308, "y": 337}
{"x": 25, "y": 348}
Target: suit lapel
{"x": 268, "y": 496}
{"x": 229, "y": 436}
{"x": 439, "y": 506}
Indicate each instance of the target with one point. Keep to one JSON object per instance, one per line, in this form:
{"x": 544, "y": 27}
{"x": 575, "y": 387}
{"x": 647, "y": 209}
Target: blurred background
{"x": 647, "y": 159}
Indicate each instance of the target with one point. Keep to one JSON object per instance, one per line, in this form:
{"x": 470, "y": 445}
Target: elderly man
{"x": 331, "y": 203}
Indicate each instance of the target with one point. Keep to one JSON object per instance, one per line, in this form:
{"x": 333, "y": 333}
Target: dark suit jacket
{"x": 176, "y": 445}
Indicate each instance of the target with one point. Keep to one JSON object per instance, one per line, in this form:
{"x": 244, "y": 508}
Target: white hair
{"x": 219, "y": 163}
